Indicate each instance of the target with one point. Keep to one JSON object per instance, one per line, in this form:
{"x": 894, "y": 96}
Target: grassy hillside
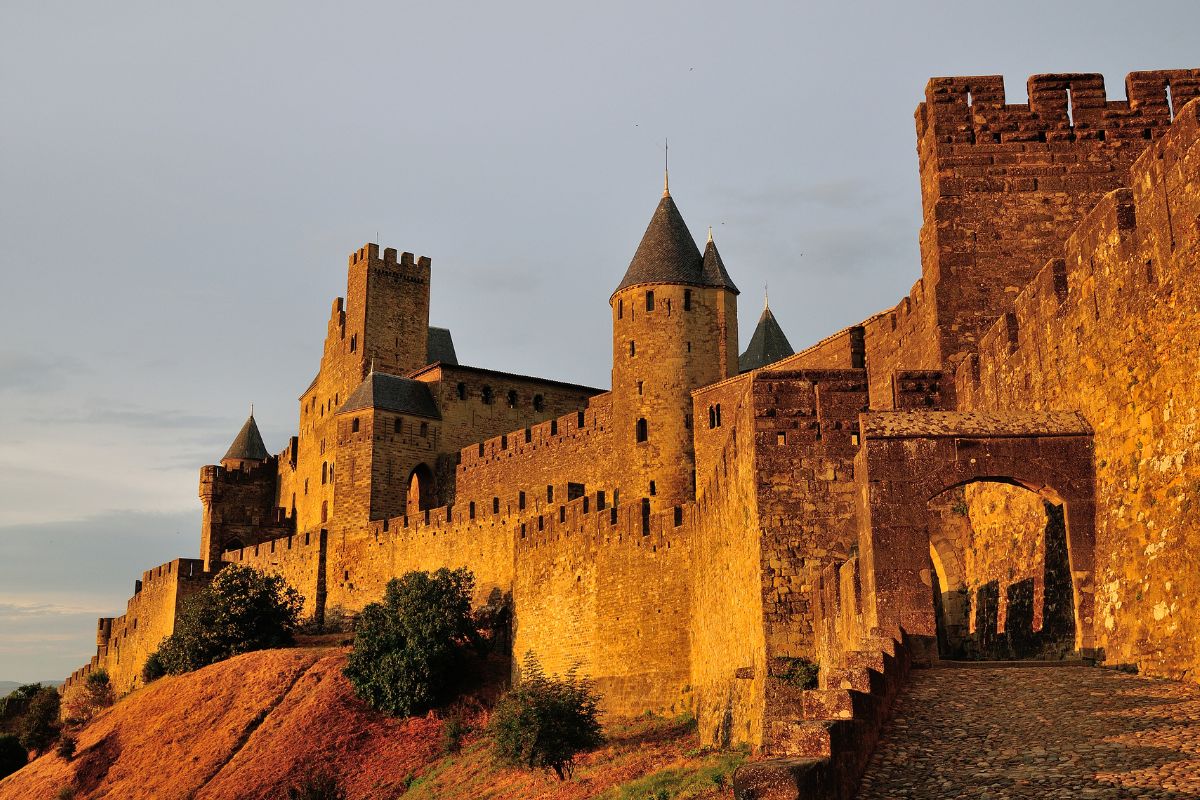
{"x": 247, "y": 728}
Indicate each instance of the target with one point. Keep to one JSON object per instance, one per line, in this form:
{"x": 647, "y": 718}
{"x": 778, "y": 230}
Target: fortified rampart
{"x": 1004, "y": 462}
{"x": 124, "y": 643}
{"x": 1111, "y": 330}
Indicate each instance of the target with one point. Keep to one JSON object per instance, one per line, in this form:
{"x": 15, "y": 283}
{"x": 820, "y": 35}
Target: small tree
{"x": 13, "y": 755}
{"x": 410, "y": 648}
{"x": 153, "y": 669}
{"x": 243, "y": 609}
{"x": 82, "y": 702}
{"x": 66, "y": 746}
{"x": 545, "y": 722}
{"x": 39, "y": 727}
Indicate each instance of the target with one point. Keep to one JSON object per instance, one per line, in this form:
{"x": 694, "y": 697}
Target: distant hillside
{"x": 247, "y": 727}
{"x": 6, "y": 687}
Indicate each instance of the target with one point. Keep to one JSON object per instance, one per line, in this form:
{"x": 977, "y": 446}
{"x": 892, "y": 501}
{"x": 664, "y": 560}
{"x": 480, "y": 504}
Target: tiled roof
{"x": 767, "y": 345}
{"x": 440, "y": 347}
{"x": 668, "y": 254}
{"x": 248, "y": 445}
{"x": 383, "y": 392}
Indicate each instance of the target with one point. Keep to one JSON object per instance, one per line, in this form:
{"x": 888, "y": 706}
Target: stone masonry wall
{"x": 1112, "y": 330}
{"x": 124, "y": 643}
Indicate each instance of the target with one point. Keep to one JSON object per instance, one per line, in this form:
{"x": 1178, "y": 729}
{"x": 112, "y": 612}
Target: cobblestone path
{"x": 1028, "y": 732}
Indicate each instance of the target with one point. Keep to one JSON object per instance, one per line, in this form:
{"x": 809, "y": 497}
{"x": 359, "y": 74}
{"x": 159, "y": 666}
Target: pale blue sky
{"x": 180, "y": 186}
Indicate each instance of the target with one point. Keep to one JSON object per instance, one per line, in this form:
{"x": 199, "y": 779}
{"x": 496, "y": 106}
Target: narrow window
{"x": 645, "y": 516}
{"x": 653, "y": 492}
{"x": 486, "y": 395}
{"x": 632, "y": 349}
{"x": 639, "y": 387}
{"x": 678, "y": 516}
{"x": 687, "y": 299}
{"x": 324, "y": 472}
{"x": 398, "y": 425}
{"x": 471, "y": 510}
{"x": 620, "y": 309}
{"x": 599, "y": 501}
{"x": 687, "y": 421}
{"x": 549, "y": 494}
{"x": 781, "y": 438}
{"x": 712, "y": 417}
{"x": 424, "y": 428}
{"x": 354, "y": 425}
{"x": 689, "y": 349}
{"x": 354, "y": 343}
{"x": 718, "y": 415}
{"x": 306, "y": 485}
{"x": 495, "y": 505}
{"x": 512, "y": 398}
{"x": 521, "y": 501}
{"x": 504, "y": 441}
{"x": 554, "y": 427}
{"x": 650, "y": 301}
{"x": 528, "y": 435}
{"x": 562, "y": 513}
{"x": 641, "y": 430}
{"x": 539, "y": 402}
{"x": 462, "y": 391}
{"x": 579, "y": 419}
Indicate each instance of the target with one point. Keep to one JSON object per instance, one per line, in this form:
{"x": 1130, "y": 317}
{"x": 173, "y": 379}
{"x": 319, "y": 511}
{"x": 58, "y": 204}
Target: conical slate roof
{"x": 668, "y": 254}
{"x": 248, "y": 446}
{"x": 767, "y": 345}
{"x": 713, "y": 271}
{"x": 384, "y": 392}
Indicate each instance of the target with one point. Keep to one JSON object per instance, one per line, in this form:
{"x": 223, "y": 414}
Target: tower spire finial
{"x": 252, "y": 409}
{"x": 766, "y": 297}
{"x": 666, "y": 169}
{"x": 372, "y": 370}
{"x": 710, "y": 234}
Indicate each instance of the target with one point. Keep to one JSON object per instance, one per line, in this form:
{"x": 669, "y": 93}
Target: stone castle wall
{"x": 1111, "y": 330}
{"x": 124, "y": 643}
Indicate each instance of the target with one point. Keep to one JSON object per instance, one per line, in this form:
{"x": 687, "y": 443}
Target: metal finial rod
{"x": 766, "y": 296}
{"x": 252, "y": 409}
{"x": 710, "y": 234}
{"x": 666, "y": 168}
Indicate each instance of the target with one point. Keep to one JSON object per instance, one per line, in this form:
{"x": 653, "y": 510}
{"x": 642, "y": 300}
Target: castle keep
{"x": 1005, "y": 464}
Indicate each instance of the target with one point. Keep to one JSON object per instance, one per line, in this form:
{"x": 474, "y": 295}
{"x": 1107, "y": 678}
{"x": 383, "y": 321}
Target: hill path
{"x": 1026, "y": 732}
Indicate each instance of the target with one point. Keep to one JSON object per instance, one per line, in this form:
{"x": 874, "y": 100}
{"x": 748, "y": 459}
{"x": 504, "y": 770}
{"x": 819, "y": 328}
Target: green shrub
{"x": 82, "y": 702}
{"x": 409, "y": 649}
{"x": 243, "y": 609}
{"x": 153, "y": 669}
{"x": 13, "y": 755}
{"x": 66, "y": 747}
{"x": 39, "y": 727}
{"x": 800, "y": 672}
{"x": 453, "y": 733}
{"x": 65, "y": 793}
{"x": 321, "y": 786}
{"x": 545, "y": 722}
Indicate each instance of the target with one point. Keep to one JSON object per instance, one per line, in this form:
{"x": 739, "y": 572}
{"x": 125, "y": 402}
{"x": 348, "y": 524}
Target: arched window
{"x": 486, "y": 395}
{"x": 354, "y": 425}
{"x": 687, "y": 299}
{"x": 462, "y": 391}
{"x": 424, "y": 428}
{"x": 650, "y": 300}
{"x": 641, "y": 430}
{"x": 539, "y": 402}
{"x": 324, "y": 472}
{"x": 512, "y": 398}
{"x": 421, "y": 494}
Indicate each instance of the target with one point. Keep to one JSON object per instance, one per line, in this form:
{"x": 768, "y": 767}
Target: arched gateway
{"x": 908, "y": 458}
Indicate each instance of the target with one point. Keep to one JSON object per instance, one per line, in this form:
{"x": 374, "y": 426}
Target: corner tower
{"x": 674, "y": 330}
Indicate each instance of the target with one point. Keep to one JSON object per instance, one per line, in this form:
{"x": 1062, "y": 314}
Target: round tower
{"x": 674, "y": 330}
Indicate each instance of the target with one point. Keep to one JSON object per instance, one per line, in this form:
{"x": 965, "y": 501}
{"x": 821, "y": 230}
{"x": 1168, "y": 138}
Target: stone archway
{"x": 908, "y": 458}
{"x": 421, "y": 493}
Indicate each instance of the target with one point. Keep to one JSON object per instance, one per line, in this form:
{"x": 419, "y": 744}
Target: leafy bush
{"x": 410, "y": 649}
{"x": 82, "y": 702}
{"x": 453, "y": 733}
{"x": 153, "y": 669}
{"x": 243, "y": 609}
{"x": 321, "y": 786}
{"x": 545, "y": 722}
{"x": 13, "y": 755}
{"x": 65, "y": 793}
{"x": 39, "y": 727}
{"x": 66, "y": 746}
{"x": 800, "y": 672}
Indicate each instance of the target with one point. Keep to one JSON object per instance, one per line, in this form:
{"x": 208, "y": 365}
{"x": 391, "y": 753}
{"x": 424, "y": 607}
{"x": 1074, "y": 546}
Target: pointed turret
{"x": 767, "y": 345}
{"x": 712, "y": 271}
{"x": 667, "y": 252}
{"x": 247, "y": 447}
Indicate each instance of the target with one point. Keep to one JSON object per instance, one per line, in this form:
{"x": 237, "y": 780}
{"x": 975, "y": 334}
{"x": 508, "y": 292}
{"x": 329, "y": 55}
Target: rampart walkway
{"x": 1024, "y": 732}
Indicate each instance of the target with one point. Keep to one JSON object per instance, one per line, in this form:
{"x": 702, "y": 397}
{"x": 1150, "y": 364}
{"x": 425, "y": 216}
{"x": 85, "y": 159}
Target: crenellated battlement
{"x": 567, "y": 428}
{"x": 370, "y": 253}
{"x": 1062, "y": 107}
